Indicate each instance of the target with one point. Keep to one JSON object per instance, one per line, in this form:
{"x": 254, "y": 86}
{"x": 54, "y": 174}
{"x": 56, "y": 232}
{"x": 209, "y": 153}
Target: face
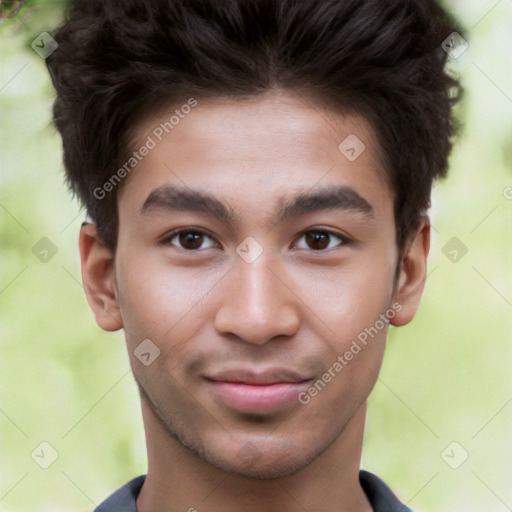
{"x": 259, "y": 261}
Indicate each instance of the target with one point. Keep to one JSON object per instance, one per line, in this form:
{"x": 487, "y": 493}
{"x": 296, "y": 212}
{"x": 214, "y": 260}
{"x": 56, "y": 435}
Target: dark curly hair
{"x": 120, "y": 60}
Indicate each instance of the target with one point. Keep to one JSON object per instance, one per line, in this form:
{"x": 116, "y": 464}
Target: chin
{"x": 262, "y": 463}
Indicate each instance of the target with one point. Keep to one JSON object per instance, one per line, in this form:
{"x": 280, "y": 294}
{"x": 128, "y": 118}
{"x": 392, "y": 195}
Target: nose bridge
{"x": 257, "y": 306}
{"x": 260, "y": 289}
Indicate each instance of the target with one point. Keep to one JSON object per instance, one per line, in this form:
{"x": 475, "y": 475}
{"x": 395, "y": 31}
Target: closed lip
{"x": 264, "y": 377}
{"x": 257, "y": 392}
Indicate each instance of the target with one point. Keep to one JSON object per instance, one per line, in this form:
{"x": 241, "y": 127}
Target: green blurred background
{"x": 446, "y": 376}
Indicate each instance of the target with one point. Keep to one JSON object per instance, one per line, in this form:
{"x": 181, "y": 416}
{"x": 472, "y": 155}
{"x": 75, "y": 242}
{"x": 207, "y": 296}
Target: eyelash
{"x": 167, "y": 240}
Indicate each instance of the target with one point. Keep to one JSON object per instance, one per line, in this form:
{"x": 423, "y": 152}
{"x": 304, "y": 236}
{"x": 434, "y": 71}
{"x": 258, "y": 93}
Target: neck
{"x": 178, "y": 480}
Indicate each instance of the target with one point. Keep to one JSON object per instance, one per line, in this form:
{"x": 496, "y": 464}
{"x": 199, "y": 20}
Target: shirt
{"x": 379, "y": 495}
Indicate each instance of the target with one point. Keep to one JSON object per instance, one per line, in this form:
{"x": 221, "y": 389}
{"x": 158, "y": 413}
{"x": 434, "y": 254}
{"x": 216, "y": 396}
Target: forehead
{"x": 257, "y": 152}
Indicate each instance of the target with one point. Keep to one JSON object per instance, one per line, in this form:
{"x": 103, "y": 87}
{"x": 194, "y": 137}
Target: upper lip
{"x": 258, "y": 378}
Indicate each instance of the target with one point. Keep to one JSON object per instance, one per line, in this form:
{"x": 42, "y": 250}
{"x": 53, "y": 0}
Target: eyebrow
{"x": 182, "y": 198}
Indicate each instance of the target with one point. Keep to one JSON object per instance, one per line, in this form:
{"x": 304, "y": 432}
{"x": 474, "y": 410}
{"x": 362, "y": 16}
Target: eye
{"x": 189, "y": 239}
{"x": 319, "y": 240}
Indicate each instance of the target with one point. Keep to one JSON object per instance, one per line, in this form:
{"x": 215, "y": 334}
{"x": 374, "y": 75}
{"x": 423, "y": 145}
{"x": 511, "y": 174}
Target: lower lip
{"x": 251, "y": 398}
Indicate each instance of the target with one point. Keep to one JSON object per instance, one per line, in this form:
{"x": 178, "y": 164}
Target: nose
{"x": 257, "y": 302}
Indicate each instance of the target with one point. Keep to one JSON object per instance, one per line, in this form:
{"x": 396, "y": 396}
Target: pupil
{"x": 190, "y": 240}
{"x": 317, "y": 240}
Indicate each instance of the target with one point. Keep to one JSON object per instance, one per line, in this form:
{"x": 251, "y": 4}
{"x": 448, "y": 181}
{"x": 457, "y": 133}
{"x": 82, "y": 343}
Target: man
{"x": 256, "y": 175}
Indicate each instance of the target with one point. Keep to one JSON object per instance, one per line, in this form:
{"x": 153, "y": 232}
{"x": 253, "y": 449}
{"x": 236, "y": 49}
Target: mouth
{"x": 262, "y": 392}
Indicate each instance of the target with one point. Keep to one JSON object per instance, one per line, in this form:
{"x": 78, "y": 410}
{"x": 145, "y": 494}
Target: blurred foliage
{"x": 446, "y": 376}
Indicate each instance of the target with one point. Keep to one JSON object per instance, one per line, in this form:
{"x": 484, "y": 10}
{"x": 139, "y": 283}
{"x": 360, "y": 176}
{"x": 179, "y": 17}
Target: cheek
{"x": 161, "y": 302}
{"x": 348, "y": 299}
{"x": 346, "y": 308}
{"x": 352, "y": 360}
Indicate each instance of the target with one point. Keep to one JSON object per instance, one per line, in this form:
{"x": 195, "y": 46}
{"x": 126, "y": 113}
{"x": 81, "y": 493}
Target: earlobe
{"x": 97, "y": 263}
{"x": 412, "y": 275}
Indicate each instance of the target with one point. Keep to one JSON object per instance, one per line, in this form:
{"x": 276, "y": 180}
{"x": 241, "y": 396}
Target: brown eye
{"x": 317, "y": 240}
{"x": 321, "y": 240}
{"x": 189, "y": 240}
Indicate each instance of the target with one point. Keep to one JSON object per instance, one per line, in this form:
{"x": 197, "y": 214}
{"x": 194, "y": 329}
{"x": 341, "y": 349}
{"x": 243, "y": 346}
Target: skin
{"x": 208, "y": 310}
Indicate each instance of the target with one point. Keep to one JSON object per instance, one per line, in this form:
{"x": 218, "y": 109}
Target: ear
{"x": 412, "y": 275}
{"x": 98, "y": 278}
